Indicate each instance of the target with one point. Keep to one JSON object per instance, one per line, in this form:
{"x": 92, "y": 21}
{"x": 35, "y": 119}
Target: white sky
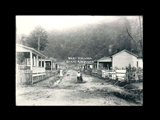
{"x": 25, "y": 24}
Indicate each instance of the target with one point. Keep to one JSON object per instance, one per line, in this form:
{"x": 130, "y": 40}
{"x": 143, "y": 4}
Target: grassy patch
{"x": 131, "y": 93}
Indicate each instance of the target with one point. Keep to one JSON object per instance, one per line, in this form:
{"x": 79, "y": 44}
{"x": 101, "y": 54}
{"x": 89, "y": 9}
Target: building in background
{"x": 120, "y": 59}
{"x": 104, "y": 63}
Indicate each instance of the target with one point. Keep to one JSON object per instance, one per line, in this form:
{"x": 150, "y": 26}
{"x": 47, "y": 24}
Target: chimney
{"x": 117, "y": 50}
{"x": 132, "y": 50}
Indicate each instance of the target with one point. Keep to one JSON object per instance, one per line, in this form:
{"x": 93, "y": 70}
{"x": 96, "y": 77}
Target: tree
{"x": 32, "y": 40}
{"x": 136, "y": 34}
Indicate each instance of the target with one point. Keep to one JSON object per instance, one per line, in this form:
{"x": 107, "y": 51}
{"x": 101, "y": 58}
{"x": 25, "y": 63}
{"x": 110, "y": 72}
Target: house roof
{"x": 105, "y": 59}
{"x": 32, "y": 49}
{"x": 125, "y": 51}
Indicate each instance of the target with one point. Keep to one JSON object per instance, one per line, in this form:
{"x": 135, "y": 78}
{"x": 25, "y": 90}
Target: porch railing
{"x": 24, "y": 67}
{"x": 38, "y": 69}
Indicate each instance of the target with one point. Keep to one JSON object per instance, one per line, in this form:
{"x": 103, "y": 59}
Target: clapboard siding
{"x": 123, "y": 59}
{"x": 140, "y": 62}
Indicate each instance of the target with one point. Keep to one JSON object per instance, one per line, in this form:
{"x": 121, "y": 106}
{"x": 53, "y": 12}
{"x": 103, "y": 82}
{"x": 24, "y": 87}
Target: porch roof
{"x": 29, "y": 49}
{"x": 104, "y": 59}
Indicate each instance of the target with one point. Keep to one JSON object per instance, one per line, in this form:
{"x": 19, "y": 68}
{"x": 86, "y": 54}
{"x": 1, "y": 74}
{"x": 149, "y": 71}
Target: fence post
{"x": 127, "y": 76}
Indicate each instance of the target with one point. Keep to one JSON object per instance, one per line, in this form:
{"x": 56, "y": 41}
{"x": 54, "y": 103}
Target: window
{"x": 39, "y": 63}
{"x": 42, "y": 63}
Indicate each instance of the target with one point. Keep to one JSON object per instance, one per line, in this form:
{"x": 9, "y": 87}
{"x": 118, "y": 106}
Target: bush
{"x": 122, "y": 83}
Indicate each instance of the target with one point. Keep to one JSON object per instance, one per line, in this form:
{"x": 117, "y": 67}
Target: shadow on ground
{"x": 75, "y": 82}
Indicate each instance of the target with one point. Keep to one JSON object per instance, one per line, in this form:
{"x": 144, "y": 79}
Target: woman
{"x": 79, "y": 77}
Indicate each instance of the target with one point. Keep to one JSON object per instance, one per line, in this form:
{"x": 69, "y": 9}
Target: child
{"x": 79, "y": 77}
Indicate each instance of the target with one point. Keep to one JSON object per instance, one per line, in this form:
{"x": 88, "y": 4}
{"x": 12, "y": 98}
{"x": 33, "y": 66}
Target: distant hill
{"x": 91, "y": 40}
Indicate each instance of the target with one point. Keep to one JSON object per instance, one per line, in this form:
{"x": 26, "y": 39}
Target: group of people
{"x": 79, "y": 75}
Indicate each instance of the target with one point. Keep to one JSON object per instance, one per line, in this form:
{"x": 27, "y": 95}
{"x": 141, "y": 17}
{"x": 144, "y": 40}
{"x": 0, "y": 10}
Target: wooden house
{"x": 119, "y": 60}
{"x": 28, "y": 58}
{"x": 50, "y": 63}
{"x": 124, "y": 58}
{"x": 139, "y": 62}
{"x": 28, "y": 65}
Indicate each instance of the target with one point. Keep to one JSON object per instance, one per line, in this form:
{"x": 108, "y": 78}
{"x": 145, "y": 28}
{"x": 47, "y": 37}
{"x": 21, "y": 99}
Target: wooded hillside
{"x": 92, "y": 40}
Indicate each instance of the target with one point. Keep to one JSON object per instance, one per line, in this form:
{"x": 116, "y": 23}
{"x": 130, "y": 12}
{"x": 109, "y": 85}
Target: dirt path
{"x": 92, "y": 91}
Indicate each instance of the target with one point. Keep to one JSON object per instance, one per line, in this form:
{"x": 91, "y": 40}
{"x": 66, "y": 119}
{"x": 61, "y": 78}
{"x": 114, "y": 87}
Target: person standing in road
{"x": 90, "y": 71}
{"x": 61, "y": 74}
{"x": 78, "y": 76}
{"x": 81, "y": 79}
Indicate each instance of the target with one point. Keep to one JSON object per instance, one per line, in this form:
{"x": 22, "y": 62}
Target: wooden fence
{"x": 120, "y": 75}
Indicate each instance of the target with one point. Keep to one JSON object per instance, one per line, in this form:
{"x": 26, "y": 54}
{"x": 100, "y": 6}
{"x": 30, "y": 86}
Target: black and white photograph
{"x": 79, "y": 60}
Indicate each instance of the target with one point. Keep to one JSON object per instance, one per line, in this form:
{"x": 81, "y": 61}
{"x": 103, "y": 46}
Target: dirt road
{"x": 92, "y": 91}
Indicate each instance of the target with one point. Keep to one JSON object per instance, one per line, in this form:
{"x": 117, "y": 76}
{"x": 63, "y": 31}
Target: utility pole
{"x": 38, "y": 42}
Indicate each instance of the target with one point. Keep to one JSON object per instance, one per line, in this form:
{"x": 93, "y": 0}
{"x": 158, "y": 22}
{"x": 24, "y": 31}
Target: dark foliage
{"x": 89, "y": 41}
{"x": 32, "y": 40}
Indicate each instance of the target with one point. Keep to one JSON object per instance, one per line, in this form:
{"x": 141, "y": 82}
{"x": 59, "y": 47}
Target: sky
{"x": 25, "y": 24}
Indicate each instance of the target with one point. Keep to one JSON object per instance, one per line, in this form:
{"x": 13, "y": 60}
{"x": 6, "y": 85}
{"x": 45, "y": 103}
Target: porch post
{"x": 34, "y": 59}
{"x": 97, "y": 65}
{"x": 37, "y": 60}
{"x": 31, "y": 61}
{"x": 44, "y": 63}
{"x": 51, "y": 64}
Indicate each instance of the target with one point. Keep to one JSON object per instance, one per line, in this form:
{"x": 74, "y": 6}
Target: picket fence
{"x": 120, "y": 75}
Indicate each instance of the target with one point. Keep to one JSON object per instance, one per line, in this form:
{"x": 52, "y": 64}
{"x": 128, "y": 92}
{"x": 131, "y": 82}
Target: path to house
{"x": 93, "y": 91}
